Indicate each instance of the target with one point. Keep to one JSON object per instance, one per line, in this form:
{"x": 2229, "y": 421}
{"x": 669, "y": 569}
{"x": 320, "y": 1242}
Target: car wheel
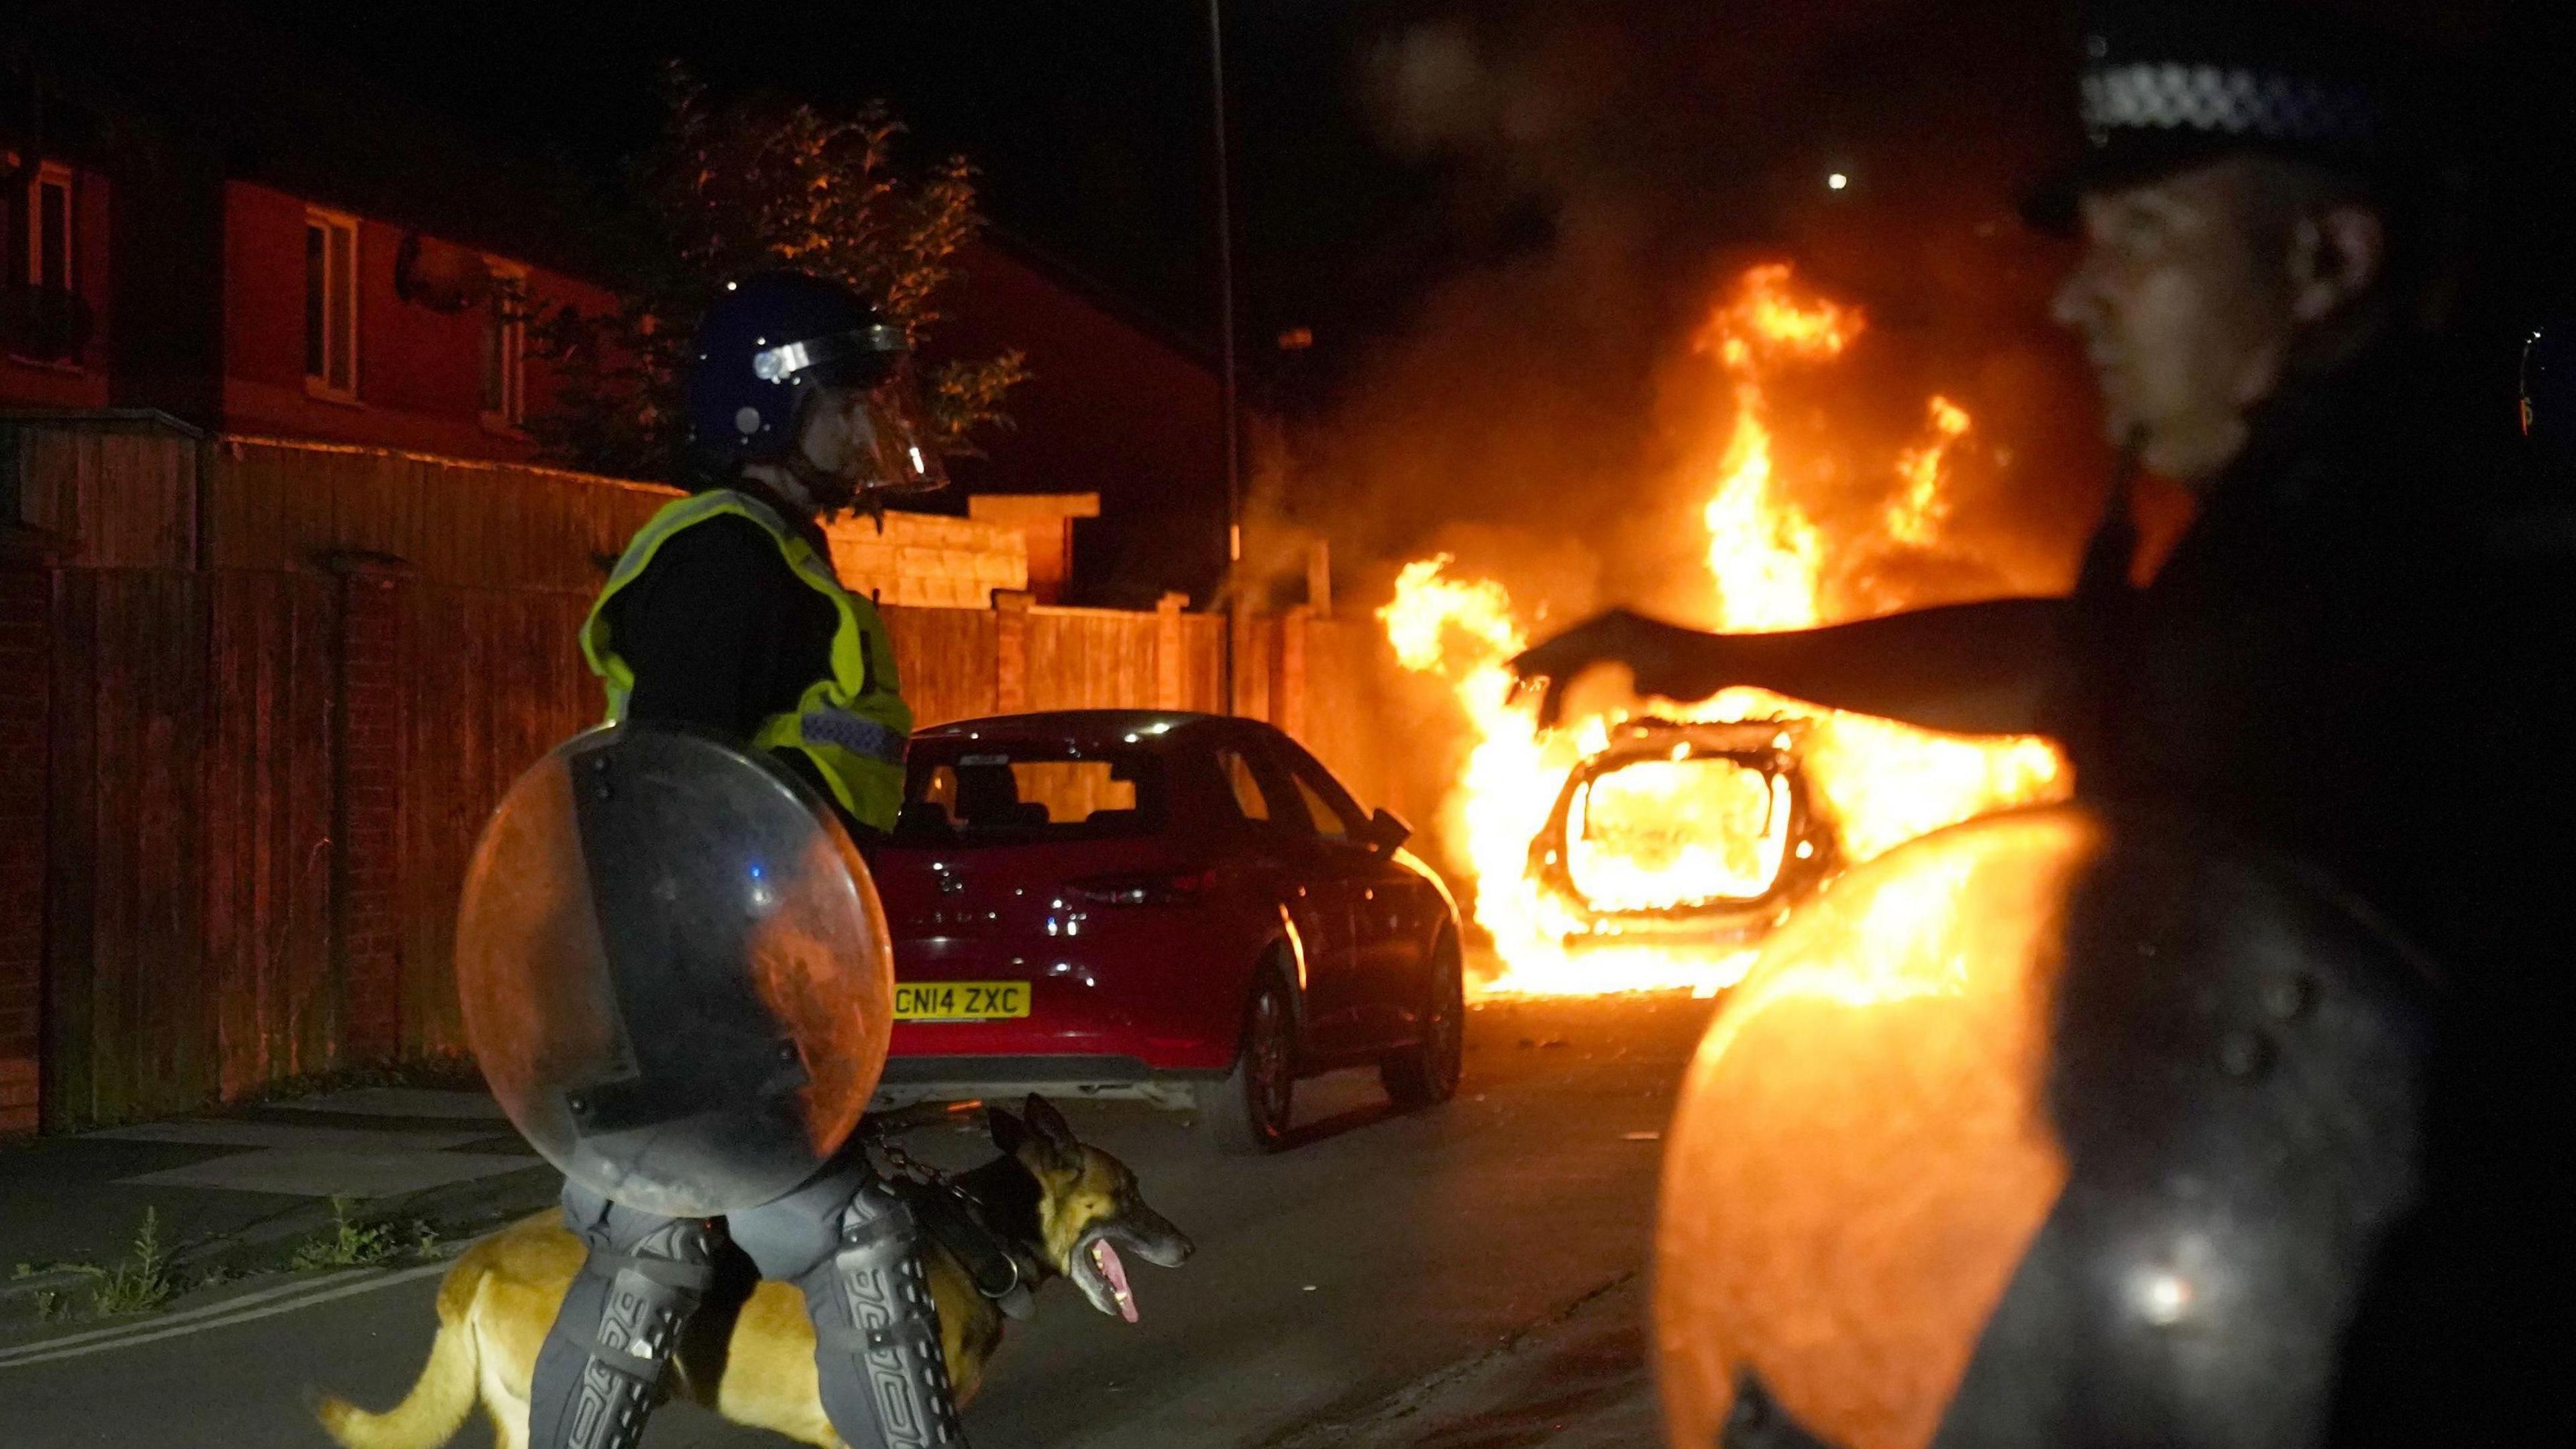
{"x": 1247, "y": 1113}
{"x": 1426, "y": 1073}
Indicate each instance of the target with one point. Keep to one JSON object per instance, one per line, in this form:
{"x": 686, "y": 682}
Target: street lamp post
{"x": 1225, "y": 346}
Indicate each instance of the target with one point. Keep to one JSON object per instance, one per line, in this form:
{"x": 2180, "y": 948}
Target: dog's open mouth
{"x": 1113, "y": 1273}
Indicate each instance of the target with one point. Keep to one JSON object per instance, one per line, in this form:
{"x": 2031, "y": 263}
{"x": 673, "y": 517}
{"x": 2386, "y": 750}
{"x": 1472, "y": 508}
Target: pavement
{"x": 1469, "y": 1277}
{"x": 239, "y": 1191}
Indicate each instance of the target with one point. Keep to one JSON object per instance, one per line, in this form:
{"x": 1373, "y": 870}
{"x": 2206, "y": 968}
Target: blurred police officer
{"x": 2354, "y": 654}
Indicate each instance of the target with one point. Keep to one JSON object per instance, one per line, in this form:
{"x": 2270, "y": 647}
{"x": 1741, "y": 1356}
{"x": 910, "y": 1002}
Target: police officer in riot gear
{"x": 2350, "y": 659}
{"x": 724, "y": 612}
{"x": 707, "y": 1102}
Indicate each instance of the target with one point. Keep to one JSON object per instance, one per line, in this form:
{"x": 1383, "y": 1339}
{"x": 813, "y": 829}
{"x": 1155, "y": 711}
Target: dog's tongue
{"x": 1105, "y": 1258}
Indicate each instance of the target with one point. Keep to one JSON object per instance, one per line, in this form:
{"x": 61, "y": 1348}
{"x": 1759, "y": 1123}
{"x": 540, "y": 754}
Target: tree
{"x": 739, "y": 186}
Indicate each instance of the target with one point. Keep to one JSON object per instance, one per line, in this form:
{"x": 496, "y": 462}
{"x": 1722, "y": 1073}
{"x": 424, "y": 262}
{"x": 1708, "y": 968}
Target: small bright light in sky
{"x": 1838, "y": 181}
{"x": 2163, "y": 1297}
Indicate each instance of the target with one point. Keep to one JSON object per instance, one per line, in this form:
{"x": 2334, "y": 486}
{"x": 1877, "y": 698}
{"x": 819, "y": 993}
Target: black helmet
{"x": 2054, "y": 1128}
{"x": 2170, "y": 84}
{"x": 770, "y": 343}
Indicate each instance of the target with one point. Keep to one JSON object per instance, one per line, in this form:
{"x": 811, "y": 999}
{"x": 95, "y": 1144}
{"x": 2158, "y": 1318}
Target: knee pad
{"x": 599, "y": 1375}
{"x": 854, "y": 1250}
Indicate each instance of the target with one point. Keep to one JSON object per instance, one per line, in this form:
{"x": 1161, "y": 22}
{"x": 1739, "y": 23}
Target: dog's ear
{"x": 1049, "y": 1124}
{"x": 1009, "y": 1132}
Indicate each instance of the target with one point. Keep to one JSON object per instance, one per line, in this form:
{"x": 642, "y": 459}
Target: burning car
{"x": 1697, "y": 833}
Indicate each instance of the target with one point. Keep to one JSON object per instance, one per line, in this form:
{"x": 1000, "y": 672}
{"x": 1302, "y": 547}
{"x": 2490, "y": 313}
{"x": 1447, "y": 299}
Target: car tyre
{"x": 1426, "y": 1073}
{"x": 1247, "y": 1113}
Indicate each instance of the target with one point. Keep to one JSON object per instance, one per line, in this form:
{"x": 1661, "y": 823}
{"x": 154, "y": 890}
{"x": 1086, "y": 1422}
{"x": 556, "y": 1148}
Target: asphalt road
{"x": 1377, "y": 1252}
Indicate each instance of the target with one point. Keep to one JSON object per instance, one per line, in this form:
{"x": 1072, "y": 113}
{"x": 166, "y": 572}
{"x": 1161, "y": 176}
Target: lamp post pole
{"x": 1225, "y": 346}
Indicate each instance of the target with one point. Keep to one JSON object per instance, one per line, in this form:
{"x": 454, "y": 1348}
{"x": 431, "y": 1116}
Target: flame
{"x": 1915, "y": 515}
{"x": 1673, "y": 837}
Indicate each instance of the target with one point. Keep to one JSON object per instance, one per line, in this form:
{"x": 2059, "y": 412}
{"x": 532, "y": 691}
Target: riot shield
{"x": 674, "y": 970}
{"x": 2057, "y": 1127}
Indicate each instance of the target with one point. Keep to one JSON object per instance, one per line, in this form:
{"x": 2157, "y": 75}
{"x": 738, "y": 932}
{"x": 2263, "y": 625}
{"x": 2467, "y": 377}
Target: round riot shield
{"x": 2055, "y": 1127}
{"x": 674, "y": 970}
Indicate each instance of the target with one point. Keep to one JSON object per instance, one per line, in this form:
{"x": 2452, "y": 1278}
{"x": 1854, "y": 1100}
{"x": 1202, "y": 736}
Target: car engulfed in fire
{"x": 1685, "y": 834}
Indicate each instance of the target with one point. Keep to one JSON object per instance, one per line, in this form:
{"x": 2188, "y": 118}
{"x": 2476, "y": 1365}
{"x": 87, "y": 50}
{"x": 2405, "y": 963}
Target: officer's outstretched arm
{"x": 1983, "y": 668}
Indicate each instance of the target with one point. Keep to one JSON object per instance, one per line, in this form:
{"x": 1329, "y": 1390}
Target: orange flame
{"x": 1879, "y": 782}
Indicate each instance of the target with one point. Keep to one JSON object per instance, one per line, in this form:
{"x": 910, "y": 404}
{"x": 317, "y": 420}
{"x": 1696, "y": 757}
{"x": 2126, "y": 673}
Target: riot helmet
{"x": 777, "y": 347}
{"x": 2054, "y": 1128}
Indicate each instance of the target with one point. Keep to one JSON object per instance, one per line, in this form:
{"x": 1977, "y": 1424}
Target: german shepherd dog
{"x": 1057, "y": 1208}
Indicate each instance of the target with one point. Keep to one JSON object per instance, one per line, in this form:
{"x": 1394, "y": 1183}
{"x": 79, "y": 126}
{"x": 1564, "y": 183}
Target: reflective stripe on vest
{"x": 852, "y": 723}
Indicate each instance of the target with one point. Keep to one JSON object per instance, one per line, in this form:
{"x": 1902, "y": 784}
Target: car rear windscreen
{"x": 987, "y": 792}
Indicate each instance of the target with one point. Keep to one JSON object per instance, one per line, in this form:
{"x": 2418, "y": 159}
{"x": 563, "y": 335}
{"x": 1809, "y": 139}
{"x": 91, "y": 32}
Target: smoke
{"x": 1606, "y": 170}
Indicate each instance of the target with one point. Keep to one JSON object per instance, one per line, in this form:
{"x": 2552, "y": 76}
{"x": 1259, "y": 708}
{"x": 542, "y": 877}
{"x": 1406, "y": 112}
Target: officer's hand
{"x": 1666, "y": 659}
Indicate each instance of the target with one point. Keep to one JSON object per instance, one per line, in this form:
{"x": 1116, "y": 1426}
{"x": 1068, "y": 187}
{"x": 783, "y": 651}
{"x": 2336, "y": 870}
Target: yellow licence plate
{"x": 960, "y": 1000}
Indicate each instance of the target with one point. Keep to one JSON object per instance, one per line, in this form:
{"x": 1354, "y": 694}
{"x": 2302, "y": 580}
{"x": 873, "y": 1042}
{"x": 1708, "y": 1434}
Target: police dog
{"x": 1060, "y": 1208}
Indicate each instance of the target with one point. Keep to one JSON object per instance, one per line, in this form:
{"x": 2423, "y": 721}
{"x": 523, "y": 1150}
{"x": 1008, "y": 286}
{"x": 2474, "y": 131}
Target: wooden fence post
{"x": 368, "y": 809}
{"x": 1170, "y": 652}
{"x": 26, "y": 674}
{"x": 1288, "y": 709}
{"x": 1011, "y": 651}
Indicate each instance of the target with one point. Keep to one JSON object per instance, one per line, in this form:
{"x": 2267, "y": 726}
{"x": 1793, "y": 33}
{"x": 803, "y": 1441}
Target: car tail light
{"x": 1151, "y": 888}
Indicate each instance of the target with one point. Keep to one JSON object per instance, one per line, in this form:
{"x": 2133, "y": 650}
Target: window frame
{"x": 53, "y": 175}
{"x": 326, "y": 221}
{"x": 505, "y": 329}
{"x": 48, "y": 176}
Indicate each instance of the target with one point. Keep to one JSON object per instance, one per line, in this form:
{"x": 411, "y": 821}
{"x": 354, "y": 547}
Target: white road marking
{"x": 237, "y": 1312}
{"x": 187, "y": 1315}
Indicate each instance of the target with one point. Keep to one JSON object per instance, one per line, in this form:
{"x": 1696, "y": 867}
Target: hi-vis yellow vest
{"x": 852, "y": 723}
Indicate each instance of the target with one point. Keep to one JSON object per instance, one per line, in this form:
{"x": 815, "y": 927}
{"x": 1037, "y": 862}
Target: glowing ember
{"x": 1653, "y": 836}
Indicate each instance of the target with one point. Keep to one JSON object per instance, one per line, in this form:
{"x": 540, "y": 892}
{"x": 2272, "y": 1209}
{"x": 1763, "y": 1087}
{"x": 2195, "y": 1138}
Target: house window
{"x": 505, "y": 347}
{"x": 331, "y": 305}
{"x": 49, "y": 228}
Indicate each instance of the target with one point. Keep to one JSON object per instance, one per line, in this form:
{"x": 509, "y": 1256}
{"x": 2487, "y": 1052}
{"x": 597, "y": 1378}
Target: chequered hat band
{"x": 2226, "y": 101}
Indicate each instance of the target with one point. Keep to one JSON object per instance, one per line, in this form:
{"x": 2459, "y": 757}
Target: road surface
{"x": 1379, "y": 1252}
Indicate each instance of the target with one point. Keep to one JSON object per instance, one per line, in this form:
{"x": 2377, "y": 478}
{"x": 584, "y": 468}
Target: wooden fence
{"x": 261, "y": 695}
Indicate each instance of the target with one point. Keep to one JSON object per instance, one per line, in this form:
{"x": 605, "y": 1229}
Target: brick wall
{"x": 26, "y": 613}
{"x": 925, "y": 561}
{"x": 368, "y": 895}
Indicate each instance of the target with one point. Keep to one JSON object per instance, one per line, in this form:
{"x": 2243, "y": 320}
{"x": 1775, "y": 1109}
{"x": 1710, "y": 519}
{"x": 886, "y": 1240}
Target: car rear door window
{"x": 1243, "y": 782}
{"x": 1329, "y": 822}
{"x": 1321, "y": 798}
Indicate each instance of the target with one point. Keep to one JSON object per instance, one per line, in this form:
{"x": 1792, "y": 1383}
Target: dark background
{"x": 1498, "y": 219}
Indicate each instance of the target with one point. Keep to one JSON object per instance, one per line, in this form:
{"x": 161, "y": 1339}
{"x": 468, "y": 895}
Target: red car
{"x": 1180, "y": 907}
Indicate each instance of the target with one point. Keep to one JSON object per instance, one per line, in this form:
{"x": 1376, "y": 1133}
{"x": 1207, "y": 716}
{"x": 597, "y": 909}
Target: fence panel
{"x": 269, "y": 768}
{"x": 1091, "y": 659}
{"x": 948, "y": 661}
{"x": 492, "y": 680}
{"x": 127, "y": 1029}
{"x": 274, "y": 505}
{"x": 122, "y": 496}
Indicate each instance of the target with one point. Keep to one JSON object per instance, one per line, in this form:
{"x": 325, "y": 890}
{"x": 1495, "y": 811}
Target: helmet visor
{"x": 890, "y": 436}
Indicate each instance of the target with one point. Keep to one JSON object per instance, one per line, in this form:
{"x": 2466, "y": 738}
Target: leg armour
{"x": 854, "y": 1250}
{"x": 599, "y": 1375}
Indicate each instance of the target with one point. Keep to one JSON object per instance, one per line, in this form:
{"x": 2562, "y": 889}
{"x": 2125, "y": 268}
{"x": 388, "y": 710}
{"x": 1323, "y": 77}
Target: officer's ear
{"x": 2338, "y": 253}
